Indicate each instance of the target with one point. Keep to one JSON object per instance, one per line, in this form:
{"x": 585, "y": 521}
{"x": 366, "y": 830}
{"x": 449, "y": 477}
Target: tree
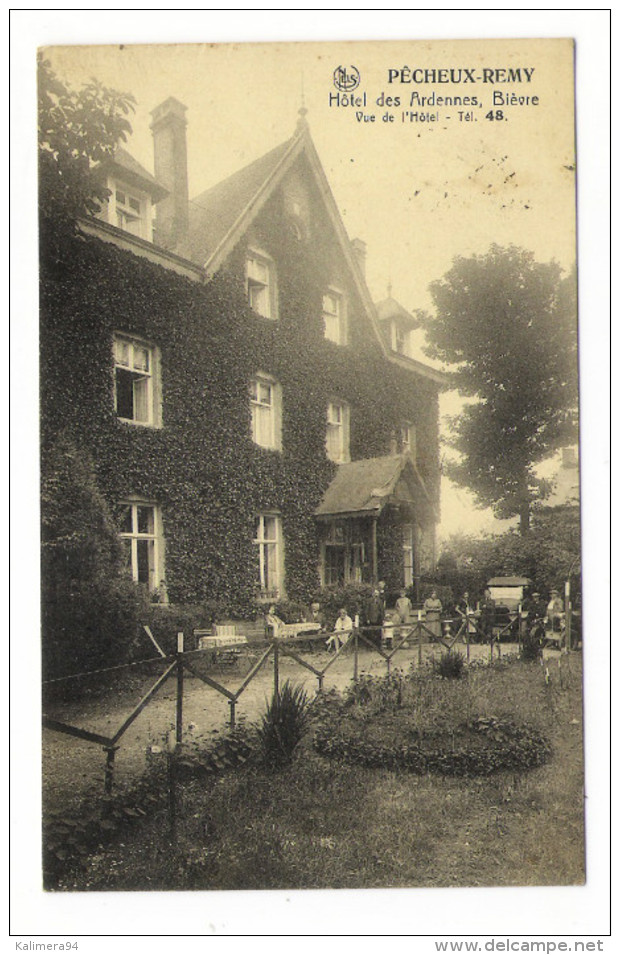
{"x": 77, "y": 130}
{"x": 90, "y": 605}
{"x": 508, "y": 325}
{"x": 548, "y": 556}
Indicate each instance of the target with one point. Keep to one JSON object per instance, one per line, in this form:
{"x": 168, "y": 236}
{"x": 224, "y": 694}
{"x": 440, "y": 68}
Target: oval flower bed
{"x": 480, "y": 747}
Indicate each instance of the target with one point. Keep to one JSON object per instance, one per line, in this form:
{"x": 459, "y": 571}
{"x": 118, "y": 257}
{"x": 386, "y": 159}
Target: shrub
{"x": 451, "y": 665}
{"x": 290, "y": 611}
{"x": 376, "y": 693}
{"x": 484, "y": 746}
{"x": 283, "y": 724}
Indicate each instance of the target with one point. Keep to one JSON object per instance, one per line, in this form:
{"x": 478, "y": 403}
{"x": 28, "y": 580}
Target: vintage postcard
{"x": 311, "y": 595}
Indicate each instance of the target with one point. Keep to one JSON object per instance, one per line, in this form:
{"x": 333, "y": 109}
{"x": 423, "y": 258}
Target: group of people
{"x": 481, "y": 617}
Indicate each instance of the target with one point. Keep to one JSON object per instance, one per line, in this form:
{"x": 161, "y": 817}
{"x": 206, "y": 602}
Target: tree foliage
{"x": 90, "y": 605}
{"x": 77, "y": 130}
{"x": 508, "y": 325}
{"x": 548, "y": 556}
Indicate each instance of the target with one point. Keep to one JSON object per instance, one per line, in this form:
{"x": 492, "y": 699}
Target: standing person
{"x": 343, "y": 629}
{"x": 487, "y": 615}
{"x": 464, "y": 609}
{"x": 374, "y": 610}
{"x": 403, "y": 607}
{"x": 555, "y": 611}
{"x": 535, "y": 609}
{"x": 432, "y": 608}
{"x": 382, "y": 596}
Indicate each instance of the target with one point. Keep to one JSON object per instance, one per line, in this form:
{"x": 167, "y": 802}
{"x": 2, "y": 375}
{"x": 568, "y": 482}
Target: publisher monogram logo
{"x": 346, "y": 78}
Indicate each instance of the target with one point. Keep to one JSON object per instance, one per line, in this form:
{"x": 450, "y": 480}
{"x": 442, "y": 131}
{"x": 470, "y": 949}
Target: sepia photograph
{"x": 310, "y": 508}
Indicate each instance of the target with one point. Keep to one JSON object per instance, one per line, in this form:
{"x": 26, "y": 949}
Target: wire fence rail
{"x": 386, "y": 642}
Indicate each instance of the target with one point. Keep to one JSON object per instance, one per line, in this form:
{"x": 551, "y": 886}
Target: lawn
{"x": 327, "y": 823}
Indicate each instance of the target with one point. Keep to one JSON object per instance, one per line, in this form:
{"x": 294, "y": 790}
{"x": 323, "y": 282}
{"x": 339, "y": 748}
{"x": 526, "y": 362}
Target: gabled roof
{"x": 220, "y": 216}
{"x": 213, "y": 213}
{"x": 131, "y": 172}
{"x": 389, "y": 308}
{"x": 365, "y": 487}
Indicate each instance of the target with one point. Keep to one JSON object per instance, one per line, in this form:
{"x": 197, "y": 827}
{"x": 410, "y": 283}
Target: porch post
{"x": 375, "y": 571}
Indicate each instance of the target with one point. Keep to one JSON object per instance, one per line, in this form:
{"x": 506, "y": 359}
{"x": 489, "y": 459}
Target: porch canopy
{"x": 363, "y": 488}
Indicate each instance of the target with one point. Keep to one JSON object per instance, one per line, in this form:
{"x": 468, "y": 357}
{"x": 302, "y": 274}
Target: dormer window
{"x": 400, "y": 339}
{"x": 261, "y": 284}
{"x": 335, "y": 317}
{"x": 129, "y": 213}
{"x": 129, "y": 209}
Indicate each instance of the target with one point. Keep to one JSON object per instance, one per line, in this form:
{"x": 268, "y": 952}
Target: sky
{"x": 418, "y": 192}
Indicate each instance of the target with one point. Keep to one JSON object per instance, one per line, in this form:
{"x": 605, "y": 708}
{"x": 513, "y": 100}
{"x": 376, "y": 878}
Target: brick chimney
{"x": 170, "y": 153}
{"x": 359, "y": 251}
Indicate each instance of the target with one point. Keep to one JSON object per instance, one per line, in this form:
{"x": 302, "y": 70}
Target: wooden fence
{"x": 462, "y": 629}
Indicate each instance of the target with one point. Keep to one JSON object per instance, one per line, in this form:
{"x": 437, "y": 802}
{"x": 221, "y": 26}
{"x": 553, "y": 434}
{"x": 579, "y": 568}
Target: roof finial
{"x": 302, "y": 111}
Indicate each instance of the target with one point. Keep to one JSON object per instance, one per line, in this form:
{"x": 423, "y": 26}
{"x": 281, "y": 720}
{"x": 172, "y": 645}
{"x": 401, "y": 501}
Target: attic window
{"x": 335, "y": 317}
{"x": 400, "y": 341}
{"x": 261, "y": 284}
{"x": 129, "y": 213}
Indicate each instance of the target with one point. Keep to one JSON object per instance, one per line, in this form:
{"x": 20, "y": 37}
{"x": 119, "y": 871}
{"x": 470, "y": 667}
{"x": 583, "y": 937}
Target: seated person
{"x": 343, "y": 628}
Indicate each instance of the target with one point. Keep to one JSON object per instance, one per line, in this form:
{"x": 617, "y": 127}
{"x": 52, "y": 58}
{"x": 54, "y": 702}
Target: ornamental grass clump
{"x": 283, "y": 724}
{"x": 451, "y": 665}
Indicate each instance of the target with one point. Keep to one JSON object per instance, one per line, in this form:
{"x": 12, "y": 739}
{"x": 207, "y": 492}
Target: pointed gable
{"x": 223, "y": 214}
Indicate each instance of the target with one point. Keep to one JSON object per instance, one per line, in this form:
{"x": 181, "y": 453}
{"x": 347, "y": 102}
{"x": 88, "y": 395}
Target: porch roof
{"x": 365, "y": 487}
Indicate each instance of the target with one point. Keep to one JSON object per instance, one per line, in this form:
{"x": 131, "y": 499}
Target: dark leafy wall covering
{"x": 202, "y": 467}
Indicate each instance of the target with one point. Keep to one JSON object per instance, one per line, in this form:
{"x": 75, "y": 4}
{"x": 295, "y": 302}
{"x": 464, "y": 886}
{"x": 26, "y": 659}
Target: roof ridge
{"x": 264, "y": 158}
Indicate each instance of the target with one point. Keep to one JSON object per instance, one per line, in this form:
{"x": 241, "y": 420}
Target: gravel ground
{"x": 72, "y": 768}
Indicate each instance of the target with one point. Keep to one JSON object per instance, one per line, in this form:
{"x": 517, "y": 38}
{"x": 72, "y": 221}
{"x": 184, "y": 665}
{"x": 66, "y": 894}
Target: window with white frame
{"x": 334, "y": 317}
{"x": 129, "y": 212}
{"x": 141, "y": 534}
{"x": 337, "y": 437}
{"x": 400, "y": 340}
{"x": 269, "y": 561}
{"x": 136, "y": 384}
{"x": 260, "y": 278}
{"x": 408, "y": 439}
{"x": 266, "y": 407}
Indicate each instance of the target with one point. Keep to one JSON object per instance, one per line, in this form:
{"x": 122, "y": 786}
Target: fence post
{"x": 276, "y": 669}
{"x": 355, "y": 654}
{"x": 179, "y": 726}
{"x": 567, "y": 615}
{"x": 172, "y": 784}
{"x": 110, "y": 752}
{"x": 467, "y": 635}
{"x": 419, "y": 639}
{"x": 232, "y": 704}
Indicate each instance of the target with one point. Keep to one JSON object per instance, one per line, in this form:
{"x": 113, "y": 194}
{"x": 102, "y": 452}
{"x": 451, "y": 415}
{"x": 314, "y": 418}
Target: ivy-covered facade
{"x": 222, "y": 392}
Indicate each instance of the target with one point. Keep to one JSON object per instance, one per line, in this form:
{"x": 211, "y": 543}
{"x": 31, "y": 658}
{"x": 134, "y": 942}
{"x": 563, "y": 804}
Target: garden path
{"x": 73, "y": 768}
